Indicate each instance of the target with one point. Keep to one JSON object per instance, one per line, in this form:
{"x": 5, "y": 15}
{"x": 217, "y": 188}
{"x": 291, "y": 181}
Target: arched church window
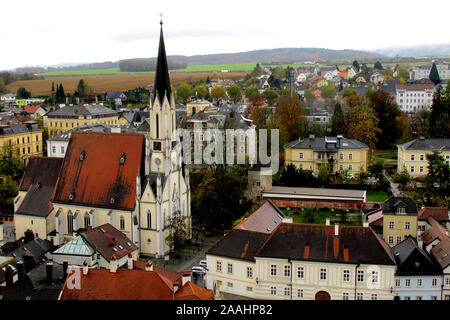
{"x": 87, "y": 220}
{"x": 70, "y": 222}
{"x": 122, "y": 223}
{"x": 157, "y": 126}
{"x": 149, "y": 219}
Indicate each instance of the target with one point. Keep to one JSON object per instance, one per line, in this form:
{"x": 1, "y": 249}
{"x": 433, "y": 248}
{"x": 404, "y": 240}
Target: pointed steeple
{"x": 162, "y": 81}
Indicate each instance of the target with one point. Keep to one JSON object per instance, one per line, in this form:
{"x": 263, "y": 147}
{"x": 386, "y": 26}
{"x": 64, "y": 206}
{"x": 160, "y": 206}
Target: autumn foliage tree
{"x": 218, "y": 93}
{"x": 363, "y": 125}
{"x": 290, "y": 118}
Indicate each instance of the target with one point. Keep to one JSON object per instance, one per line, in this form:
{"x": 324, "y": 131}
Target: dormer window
{"x": 38, "y": 185}
{"x": 71, "y": 196}
{"x": 82, "y": 155}
{"x": 401, "y": 210}
{"x": 112, "y": 200}
{"x": 122, "y": 158}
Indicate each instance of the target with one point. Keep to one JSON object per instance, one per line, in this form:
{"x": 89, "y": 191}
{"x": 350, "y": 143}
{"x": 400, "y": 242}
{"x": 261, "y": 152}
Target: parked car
{"x": 199, "y": 270}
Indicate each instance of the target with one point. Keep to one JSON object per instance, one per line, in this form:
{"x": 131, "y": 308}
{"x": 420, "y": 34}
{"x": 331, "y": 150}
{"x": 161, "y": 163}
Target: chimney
{"x": 149, "y": 266}
{"x": 20, "y": 269}
{"x": 307, "y": 249}
{"x": 85, "y": 267}
{"x": 49, "y": 271}
{"x": 186, "y": 276}
{"x": 327, "y": 221}
{"x": 9, "y": 276}
{"x": 336, "y": 229}
{"x": 65, "y": 267}
{"x": 113, "y": 264}
{"x": 346, "y": 253}
{"x": 130, "y": 261}
{"x": 365, "y": 224}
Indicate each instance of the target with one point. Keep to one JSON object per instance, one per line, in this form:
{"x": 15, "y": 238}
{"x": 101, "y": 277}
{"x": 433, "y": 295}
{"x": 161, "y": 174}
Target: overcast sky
{"x": 48, "y": 32}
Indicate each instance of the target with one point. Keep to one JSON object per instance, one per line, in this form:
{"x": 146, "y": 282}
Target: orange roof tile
{"x": 191, "y": 291}
{"x": 98, "y": 178}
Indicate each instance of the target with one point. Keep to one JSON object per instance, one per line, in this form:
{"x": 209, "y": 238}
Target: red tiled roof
{"x": 318, "y": 243}
{"x": 42, "y": 170}
{"x": 100, "y": 176}
{"x": 31, "y": 109}
{"x": 265, "y": 219}
{"x": 105, "y": 242}
{"x": 124, "y": 284}
{"x": 440, "y": 214}
{"x": 174, "y": 277}
{"x": 191, "y": 291}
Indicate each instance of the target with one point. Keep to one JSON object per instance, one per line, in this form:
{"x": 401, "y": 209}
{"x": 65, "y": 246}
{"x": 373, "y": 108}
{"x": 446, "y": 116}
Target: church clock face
{"x": 157, "y": 161}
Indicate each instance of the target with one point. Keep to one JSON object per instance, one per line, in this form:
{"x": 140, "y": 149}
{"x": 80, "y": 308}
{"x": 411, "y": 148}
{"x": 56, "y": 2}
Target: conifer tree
{"x": 434, "y": 75}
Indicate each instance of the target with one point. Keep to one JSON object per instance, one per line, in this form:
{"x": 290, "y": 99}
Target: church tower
{"x": 162, "y": 115}
{"x": 167, "y": 190}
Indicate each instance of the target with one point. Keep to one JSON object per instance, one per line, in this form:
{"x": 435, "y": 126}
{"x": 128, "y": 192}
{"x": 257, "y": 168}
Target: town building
{"x": 399, "y": 219}
{"x": 259, "y": 178}
{"x": 297, "y": 261}
{"x": 423, "y": 72}
{"x": 196, "y": 106}
{"x": 417, "y": 276}
{"x": 132, "y": 283}
{"x": 436, "y": 242}
{"x": 35, "y": 111}
{"x": 412, "y": 154}
{"x": 8, "y": 99}
{"x": 337, "y": 153}
{"x": 376, "y": 77}
{"x": 414, "y": 97}
{"x": 334, "y": 199}
{"x": 71, "y": 116}
{"x": 96, "y": 246}
{"x": 25, "y": 139}
{"x": 116, "y": 97}
{"x": 33, "y": 209}
{"x": 442, "y": 215}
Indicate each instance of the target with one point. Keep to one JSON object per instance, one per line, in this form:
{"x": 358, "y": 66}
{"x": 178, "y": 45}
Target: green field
{"x": 246, "y": 67}
{"x": 376, "y": 196}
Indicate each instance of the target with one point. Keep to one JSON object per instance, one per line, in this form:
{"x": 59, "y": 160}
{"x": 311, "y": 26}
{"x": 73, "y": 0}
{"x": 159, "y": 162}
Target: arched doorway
{"x": 322, "y": 295}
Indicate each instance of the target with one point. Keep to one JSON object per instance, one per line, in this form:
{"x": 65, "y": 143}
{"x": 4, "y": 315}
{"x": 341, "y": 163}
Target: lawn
{"x": 352, "y": 218}
{"x": 376, "y": 196}
{"x": 385, "y": 156}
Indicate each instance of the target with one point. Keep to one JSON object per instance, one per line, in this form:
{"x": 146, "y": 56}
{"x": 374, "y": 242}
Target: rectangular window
{"x": 323, "y": 274}
{"x": 391, "y": 225}
{"x": 273, "y": 291}
{"x": 250, "y": 289}
{"x": 345, "y": 296}
{"x": 341, "y": 156}
{"x": 407, "y": 298}
{"x": 350, "y": 156}
{"x": 300, "y": 272}
{"x": 397, "y": 282}
{"x": 434, "y": 282}
{"x": 375, "y": 276}
{"x": 341, "y": 167}
{"x": 421, "y": 168}
{"x": 249, "y": 272}
{"x": 433, "y": 298}
{"x": 374, "y": 296}
{"x": 419, "y": 282}
{"x": 287, "y": 271}
{"x": 273, "y": 269}
{"x": 422, "y": 157}
{"x": 399, "y": 239}
{"x": 359, "y": 296}
{"x": 287, "y": 291}
{"x": 391, "y": 239}
{"x": 62, "y": 149}
{"x": 408, "y": 283}
{"x": 412, "y": 168}
{"x": 412, "y": 157}
{"x": 346, "y": 275}
{"x": 230, "y": 284}
{"x": 230, "y": 268}
{"x": 407, "y": 225}
{"x": 350, "y": 167}
{"x": 219, "y": 266}
{"x": 300, "y": 293}
{"x": 418, "y": 298}
{"x": 301, "y": 155}
{"x": 447, "y": 281}
{"x": 360, "y": 277}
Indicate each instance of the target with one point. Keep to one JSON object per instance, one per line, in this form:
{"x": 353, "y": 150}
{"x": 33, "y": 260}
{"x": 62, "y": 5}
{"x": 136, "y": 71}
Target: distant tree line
{"x": 9, "y": 77}
{"x": 146, "y": 65}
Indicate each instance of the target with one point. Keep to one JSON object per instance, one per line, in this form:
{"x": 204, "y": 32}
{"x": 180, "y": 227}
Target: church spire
{"x": 162, "y": 81}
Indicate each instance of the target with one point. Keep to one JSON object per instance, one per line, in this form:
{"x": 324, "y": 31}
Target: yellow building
{"x": 412, "y": 154}
{"x": 338, "y": 153}
{"x": 69, "y": 117}
{"x": 25, "y": 139}
{"x": 194, "y": 107}
{"x": 399, "y": 220}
